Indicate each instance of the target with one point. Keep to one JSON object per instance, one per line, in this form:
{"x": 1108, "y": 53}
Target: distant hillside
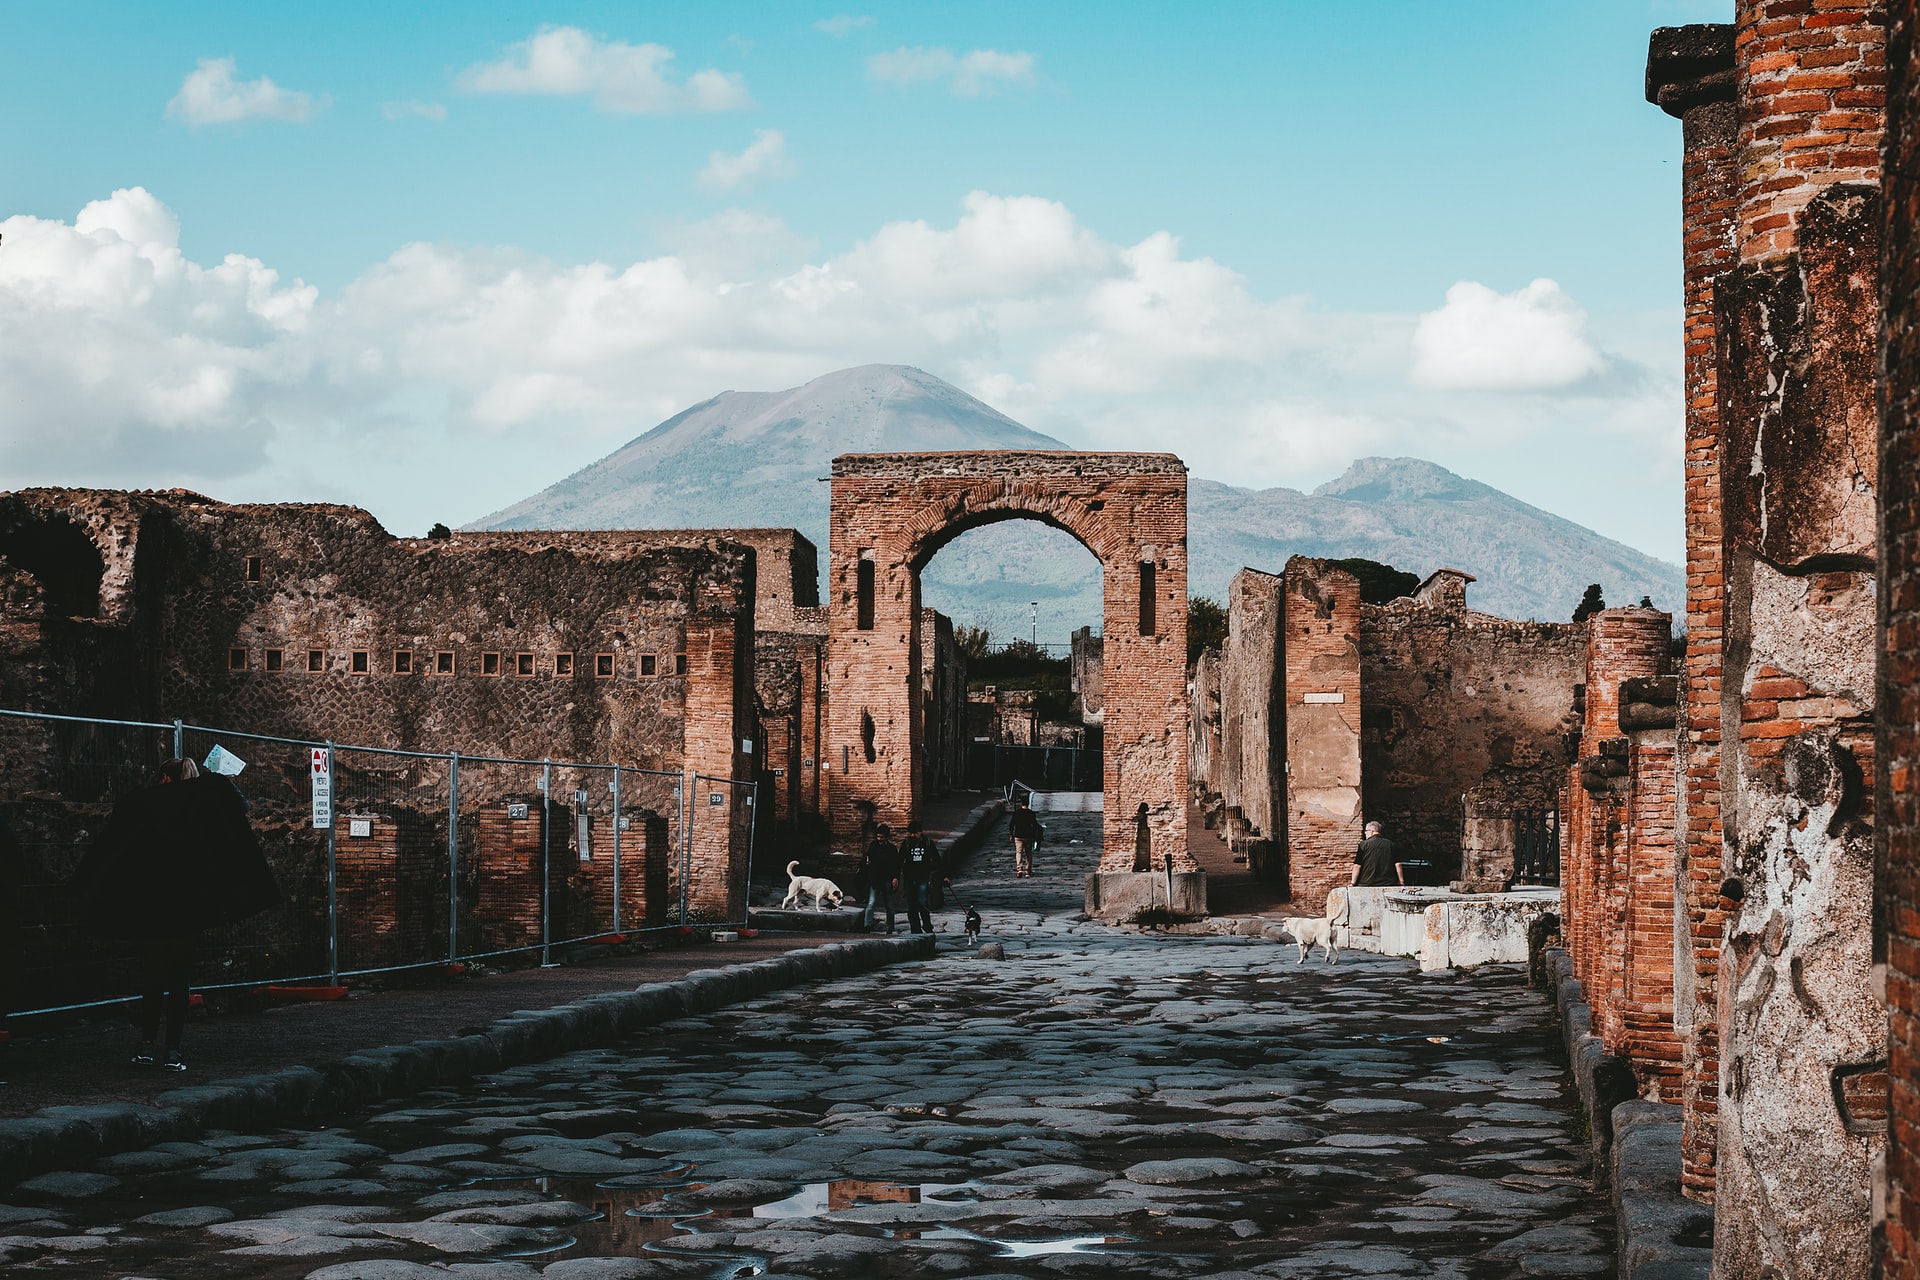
{"x": 759, "y": 458}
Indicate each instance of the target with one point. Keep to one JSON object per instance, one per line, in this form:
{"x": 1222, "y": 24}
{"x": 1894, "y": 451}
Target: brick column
{"x": 1897, "y": 779}
{"x": 1690, "y": 75}
{"x": 1320, "y": 720}
{"x": 720, "y": 717}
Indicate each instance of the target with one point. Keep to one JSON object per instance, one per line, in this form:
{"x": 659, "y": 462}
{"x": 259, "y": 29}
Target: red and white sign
{"x": 322, "y": 788}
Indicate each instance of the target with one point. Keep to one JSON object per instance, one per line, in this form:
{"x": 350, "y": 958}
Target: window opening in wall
{"x": 563, "y": 664}
{"x": 316, "y": 659}
{"x": 443, "y": 663}
{"x": 679, "y": 664}
{"x": 1146, "y": 598}
{"x": 864, "y": 607}
{"x": 649, "y": 665}
{"x": 489, "y": 664}
{"x": 361, "y": 663}
{"x": 523, "y": 664}
{"x": 275, "y": 659}
{"x": 403, "y": 662}
{"x": 253, "y": 568}
{"x": 603, "y": 666}
{"x": 236, "y": 659}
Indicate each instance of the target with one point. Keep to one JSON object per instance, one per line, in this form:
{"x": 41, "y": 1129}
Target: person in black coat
{"x": 175, "y": 858}
{"x": 880, "y": 870}
{"x": 920, "y": 869}
{"x": 1026, "y": 832}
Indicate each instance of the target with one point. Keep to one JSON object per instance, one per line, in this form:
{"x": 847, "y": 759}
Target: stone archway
{"x": 892, "y": 512}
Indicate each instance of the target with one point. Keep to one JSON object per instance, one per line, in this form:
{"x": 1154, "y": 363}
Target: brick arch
{"x": 895, "y": 512}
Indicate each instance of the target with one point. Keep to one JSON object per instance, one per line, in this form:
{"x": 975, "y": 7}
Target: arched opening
{"x": 1023, "y": 601}
{"x": 60, "y": 555}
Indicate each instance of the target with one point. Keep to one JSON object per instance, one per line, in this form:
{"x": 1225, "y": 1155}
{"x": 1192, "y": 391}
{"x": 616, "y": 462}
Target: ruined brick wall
{"x": 1690, "y": 74}
{"x": 1802, "y": 1039}
{"x": 1249, "y": 768}
{"x": 1454, "y": 701}
{"x": 891, "y": 513}
{"x": 1087, "y": 683}
{"x": 1320, "y": 725}
{"x": 1897, "y": 754}
{"x": 1204, "y": 742}
{"x": 943, "y": 689}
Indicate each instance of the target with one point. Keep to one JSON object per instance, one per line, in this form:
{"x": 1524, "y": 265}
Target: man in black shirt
{"x": 1376, "y": 863}
{"x": 1026, "y": 832}
{"x": 881, "y": 867}
{"x": 920, "y": 866}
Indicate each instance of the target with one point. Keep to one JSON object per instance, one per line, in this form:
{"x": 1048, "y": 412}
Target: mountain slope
{"x": 757, "y": 458}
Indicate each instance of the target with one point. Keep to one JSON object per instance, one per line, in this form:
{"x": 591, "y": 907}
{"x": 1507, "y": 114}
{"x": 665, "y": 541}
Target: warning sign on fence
{"x": 322, "y": 788}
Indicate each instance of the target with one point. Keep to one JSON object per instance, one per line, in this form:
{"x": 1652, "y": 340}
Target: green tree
{"x": 1206, "y": 627}
{"x": 1379, "y": 582}
{"x": 1590, "y": 604}
{"x": 972, "y": 642}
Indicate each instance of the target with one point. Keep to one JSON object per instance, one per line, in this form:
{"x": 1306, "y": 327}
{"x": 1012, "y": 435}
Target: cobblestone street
{"x": 1101, "y": 1102}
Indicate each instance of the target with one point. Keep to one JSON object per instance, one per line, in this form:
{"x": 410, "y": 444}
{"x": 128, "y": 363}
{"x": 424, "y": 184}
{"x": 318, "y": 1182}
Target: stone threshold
{"x": 1636, "y": 1148}
{"x": 65, "y": 1137}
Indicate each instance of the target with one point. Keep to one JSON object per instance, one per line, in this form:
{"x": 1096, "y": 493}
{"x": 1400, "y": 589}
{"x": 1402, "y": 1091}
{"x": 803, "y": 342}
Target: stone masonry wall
{"x": 891, "y": 513}
{"x": 1320, "y": 725}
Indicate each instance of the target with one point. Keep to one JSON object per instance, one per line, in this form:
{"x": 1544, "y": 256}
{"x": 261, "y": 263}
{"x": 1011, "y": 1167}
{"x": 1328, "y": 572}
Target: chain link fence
{"x": 419, "y": 860}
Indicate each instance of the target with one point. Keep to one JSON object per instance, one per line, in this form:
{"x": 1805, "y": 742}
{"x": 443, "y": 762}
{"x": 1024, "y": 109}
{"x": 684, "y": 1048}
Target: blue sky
{"x": 494, "y": 269}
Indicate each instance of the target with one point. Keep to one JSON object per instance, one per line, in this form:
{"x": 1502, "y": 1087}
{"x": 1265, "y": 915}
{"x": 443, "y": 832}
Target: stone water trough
{"x": 1444, "y": 929}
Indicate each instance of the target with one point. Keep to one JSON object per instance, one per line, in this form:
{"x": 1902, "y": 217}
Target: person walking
{"x": 920, "y": 867}
{"x": 1026, "y": 831}
{"x": 1375, "y": 862}
{"x": 880, "y": 867}
{"x": 175, "y": 858}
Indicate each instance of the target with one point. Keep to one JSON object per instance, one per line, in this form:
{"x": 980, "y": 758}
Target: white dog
{"x": 1319, "y": 931}
{"x": 826, "y": 894}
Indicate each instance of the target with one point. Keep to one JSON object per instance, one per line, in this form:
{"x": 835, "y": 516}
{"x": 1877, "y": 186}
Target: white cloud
{"x": 477, "y": 374}
{"x": 414, "y": 110}
{"x": 967, "y": 75}
{"x": 765, "y": 158}
{"x": 211, "y": 95}
{"x": 1533, "y": 339}
{"x": 841, "y": 24}
{"x": 630, "y": 79}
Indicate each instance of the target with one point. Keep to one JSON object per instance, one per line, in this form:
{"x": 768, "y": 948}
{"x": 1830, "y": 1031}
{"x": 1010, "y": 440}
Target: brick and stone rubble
{"x": 891, "y": 513}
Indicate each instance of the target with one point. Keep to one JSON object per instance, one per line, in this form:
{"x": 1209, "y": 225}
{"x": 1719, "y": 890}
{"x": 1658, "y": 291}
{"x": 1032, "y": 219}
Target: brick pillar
{"x": 1320, "y": 719}
{"x": 1802, "y": 1039}
{"x": 720, "y": 717}
{"x": 1897, "y": 777}
{"x": 1690, "y": 75}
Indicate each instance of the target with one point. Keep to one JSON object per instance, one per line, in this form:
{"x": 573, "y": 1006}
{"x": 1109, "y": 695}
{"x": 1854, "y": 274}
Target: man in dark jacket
{"x": 881, "y": 869}
{"x": 1026, "y": 832}
{"x": 920, "y": 867}
{"x": 1375, "y": 863}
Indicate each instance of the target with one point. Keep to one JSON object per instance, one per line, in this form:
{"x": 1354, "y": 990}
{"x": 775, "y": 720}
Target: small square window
{"x": 443, "y": 663}
{"x": 253, "y": 568}
{"x": 489, "y": 664}
{"x": 679, "y": 664}
{"x": 403, "y": 662}
{"x": 276, "y": 659}
{"x": 603, "y": 666}
{"x": 316, "y": 659}
{"x": 563, "y": 664}
{"x": 362, "y": 662}
{"x": 236, "y": 659}
{"x": 649, "y": 665}
{"x": 523, "y": 664}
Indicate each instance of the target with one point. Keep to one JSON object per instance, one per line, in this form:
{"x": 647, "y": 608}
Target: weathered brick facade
{"x": 891, "y": 513}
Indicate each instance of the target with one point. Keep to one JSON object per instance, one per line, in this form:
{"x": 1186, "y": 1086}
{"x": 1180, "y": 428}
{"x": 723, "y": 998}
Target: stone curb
{"x": 1636, "y": 1148}
{"x": 64, "y": 1137}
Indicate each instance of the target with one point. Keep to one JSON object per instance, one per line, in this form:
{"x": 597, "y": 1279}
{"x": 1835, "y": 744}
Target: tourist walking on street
{"x": 175, "y": 858}
{"x": 1375, "y": 863}
{"x": 881, "y": 867}
{"x": 920, "y": 867}
{"x": 1026, "y": 831}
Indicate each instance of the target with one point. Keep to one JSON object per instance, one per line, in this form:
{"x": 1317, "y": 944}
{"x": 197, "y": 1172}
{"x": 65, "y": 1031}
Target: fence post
{"x": 616, "y": 848}
{"x": 546, "y": 864}
{"x": 180, "y": 740}
{"x": 453, "y": 856}
{"x": 753, "y": 827}
{"x": 333, "y": 878}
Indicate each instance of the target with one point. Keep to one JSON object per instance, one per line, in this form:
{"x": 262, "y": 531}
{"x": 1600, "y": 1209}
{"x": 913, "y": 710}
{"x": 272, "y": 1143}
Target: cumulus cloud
{"x": 476, "y": 374}
{"x": 1533, "y": 339}
{"x": 765, "y": 158}
{"x": 841, "y": 24}
{"x": 211, "y": 94}
{"x": 966, "y": 75}
{"x": 628, "y": 79}
{"x": 413, "y": 110}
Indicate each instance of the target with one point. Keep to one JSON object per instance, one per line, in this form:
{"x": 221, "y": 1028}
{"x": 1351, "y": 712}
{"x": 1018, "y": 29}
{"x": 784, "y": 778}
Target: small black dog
{"x": 973, "y": 925}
